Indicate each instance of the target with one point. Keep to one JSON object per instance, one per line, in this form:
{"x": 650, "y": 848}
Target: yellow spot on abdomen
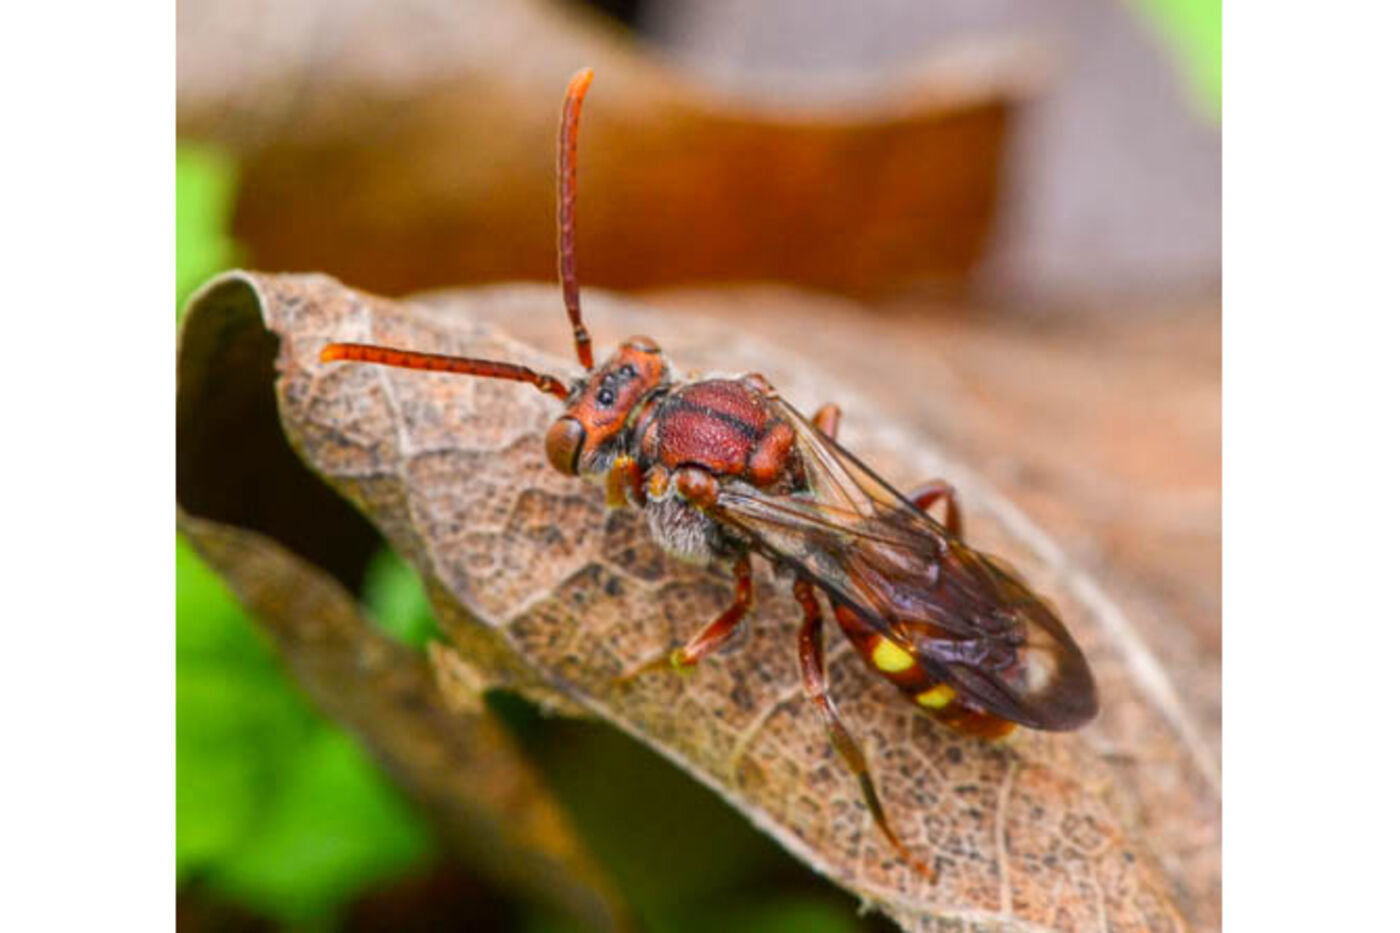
{"x": 889, "y": 657}
{"x": 936, "y": 697}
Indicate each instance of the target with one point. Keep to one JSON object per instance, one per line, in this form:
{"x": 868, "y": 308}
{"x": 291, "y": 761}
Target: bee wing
{"x": 965, "y": 618}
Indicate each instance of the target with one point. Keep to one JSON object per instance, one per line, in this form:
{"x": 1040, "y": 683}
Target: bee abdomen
{"x": 935, "y": 695}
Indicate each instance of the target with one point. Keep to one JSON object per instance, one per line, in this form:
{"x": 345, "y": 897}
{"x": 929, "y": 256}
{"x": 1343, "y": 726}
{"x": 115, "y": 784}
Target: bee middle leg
{"x": 713, "y": 636}
{"x": 814, "y": 684}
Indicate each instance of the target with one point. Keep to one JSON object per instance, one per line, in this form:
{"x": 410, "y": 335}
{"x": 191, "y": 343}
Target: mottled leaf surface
{"x": 540, "y": 589}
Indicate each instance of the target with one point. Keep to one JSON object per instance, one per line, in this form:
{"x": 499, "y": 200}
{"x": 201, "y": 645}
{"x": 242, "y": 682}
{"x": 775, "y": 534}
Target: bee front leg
{"x": 718, "y": 633}
{"x": 814, "y": 684}
{"x": 624, "y": 478}
{"x": 927, "y": 495}
{"x": 713, "y": 636}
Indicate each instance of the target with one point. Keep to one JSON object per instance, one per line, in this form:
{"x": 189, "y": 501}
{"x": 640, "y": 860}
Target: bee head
{"x": 602, "y": 406}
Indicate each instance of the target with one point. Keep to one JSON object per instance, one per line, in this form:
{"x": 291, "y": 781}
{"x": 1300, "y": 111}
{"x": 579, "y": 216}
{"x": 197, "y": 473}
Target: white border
{"x": 1312, "y": 521}
{"x": 1312, "y": 463}
{"x": 87, "y": 684}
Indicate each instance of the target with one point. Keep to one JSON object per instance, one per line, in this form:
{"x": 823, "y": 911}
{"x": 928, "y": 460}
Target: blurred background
{"x": 1001, "y": 220}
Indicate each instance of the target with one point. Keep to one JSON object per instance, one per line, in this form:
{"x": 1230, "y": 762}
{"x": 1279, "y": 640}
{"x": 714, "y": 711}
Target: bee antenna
{"x": 441, "y": 363}
{"x": 568, "y": 194}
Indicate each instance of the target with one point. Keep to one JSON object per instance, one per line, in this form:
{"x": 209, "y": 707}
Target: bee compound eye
{"x": 563, "y": 443}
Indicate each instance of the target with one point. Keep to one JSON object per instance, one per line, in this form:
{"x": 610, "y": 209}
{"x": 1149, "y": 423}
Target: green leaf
{"x": 236, "y": 718}
{"x": 1192, "y": 31}
{"x": 275, "y": 807}
{"x": 233, "y": 734}
{"x": 205, "y": 183}
{"x": 210, "y": 625}
{"x": 395, "y": 598}
{"x": 335, "y": 826}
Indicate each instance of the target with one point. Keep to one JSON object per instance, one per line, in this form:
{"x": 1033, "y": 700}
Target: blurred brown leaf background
{"x": 1000, "y": 221}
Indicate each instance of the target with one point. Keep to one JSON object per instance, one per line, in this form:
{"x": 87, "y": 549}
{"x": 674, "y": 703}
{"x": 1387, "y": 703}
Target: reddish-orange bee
{"x": 725, "y": 468}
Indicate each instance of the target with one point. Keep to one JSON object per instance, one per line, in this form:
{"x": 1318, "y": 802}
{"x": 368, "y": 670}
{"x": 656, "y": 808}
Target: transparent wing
{"x": 965, "y": 618}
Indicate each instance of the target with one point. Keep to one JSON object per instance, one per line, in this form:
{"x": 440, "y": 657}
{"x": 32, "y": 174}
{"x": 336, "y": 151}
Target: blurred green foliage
{"x": 1192, "y": 30}
{"x": 275, "y": 807}
{"x": 394, "y": 595}
{"x": 205, "y": 182}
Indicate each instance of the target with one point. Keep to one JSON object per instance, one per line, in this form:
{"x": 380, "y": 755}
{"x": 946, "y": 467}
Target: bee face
{"x": 595, "y": 422}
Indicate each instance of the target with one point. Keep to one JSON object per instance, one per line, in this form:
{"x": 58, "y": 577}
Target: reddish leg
{"x": 624, "y": 477}
{"x": 814, "y": 683}
{"x": 713, "y": 636}
{"x": 928, "y": 494}
{"x": 827, "y": 419}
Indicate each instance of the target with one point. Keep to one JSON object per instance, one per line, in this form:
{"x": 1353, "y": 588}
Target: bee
{"x": 725, "y": 468}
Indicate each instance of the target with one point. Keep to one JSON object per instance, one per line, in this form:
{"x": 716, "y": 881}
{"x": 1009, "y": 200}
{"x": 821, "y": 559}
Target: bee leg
{"x": 814, "y": 683}
{"x": 827, "y": 419}
{"x": 928, "y": 494}
{"x": 713, "y": 636}
{"x": 624, "y": 477}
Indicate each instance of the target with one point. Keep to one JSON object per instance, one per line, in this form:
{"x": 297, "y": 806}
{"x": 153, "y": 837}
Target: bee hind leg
{"x": 814, "y": 684}
{"x": 827, "y": 419}
{"x": 713, "y": 636}
{"x": 926, "y": 495}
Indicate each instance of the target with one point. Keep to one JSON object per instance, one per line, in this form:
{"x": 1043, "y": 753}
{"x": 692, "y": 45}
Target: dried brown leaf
{"x": 410, "y": 146}
{"x": 541, "y": 590}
